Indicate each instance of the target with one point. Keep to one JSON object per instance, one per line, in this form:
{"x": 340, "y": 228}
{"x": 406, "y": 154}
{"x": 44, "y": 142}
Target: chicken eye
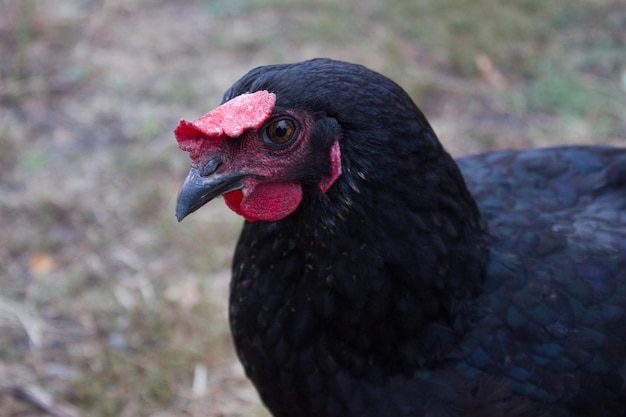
{"x": 280, "y": 131}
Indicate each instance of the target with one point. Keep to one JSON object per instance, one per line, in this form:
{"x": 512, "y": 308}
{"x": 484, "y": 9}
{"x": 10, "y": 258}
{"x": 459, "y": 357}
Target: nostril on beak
{"x": 210, "y": 167}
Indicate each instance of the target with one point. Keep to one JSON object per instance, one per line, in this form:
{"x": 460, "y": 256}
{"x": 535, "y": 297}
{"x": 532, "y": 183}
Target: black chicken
{"x": 376, "y": 278}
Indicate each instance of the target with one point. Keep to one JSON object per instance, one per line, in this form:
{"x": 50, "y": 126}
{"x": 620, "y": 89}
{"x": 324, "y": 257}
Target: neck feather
{"x": 383, "y": 275}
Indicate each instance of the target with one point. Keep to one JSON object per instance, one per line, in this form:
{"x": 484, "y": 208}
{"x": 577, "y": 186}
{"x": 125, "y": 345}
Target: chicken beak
{"x": 197, "y": 190}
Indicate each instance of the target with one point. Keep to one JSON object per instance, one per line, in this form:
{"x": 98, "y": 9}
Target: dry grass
{"x": 108, "y": 306}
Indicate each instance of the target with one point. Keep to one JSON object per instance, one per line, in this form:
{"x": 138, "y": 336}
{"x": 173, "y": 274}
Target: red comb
{"x": 231, "y": 119}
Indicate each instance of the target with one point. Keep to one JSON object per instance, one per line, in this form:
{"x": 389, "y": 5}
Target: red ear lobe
{"x": 335, "y": 167}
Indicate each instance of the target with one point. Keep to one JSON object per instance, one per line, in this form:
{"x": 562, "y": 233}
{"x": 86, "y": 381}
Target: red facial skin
{"x": 233, "y": 133}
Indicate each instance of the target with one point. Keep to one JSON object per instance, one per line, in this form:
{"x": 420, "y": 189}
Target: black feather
{"x": 407, "y": 290}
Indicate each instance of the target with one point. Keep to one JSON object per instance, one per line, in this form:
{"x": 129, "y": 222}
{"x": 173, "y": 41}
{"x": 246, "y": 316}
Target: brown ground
{"x": 108, "y": 306}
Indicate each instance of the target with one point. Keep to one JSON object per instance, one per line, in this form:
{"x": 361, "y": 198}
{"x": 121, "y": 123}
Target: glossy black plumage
{"x": 402, "y": 292}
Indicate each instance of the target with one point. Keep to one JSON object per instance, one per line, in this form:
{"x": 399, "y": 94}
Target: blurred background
{"x": 108, "y": 306}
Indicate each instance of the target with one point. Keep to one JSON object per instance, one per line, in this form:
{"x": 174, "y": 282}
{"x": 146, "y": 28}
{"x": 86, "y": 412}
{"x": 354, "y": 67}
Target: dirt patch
{"x": 108, "y": 306}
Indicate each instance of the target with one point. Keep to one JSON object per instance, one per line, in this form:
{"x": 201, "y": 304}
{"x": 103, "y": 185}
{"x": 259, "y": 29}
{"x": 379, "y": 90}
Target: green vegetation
{"x": 111, "y": 307}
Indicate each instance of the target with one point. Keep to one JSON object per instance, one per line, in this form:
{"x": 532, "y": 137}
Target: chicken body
{"x": 376, "y": 276}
